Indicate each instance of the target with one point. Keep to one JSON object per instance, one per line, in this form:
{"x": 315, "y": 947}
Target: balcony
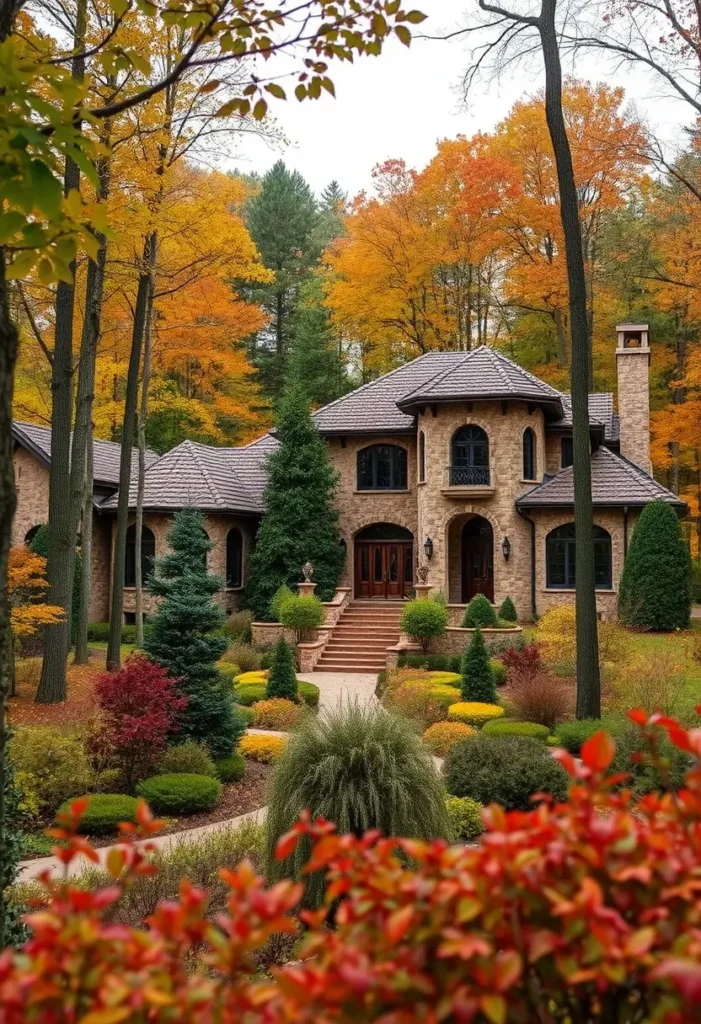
{"x": 467, "y": 482}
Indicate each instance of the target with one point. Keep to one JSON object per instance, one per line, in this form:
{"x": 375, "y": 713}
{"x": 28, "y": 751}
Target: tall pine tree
{"x": 316, "y": 359}
{"x": 300, "y": 522}
{"x": 183, "y": 638}
{"x": 281, "y": 218}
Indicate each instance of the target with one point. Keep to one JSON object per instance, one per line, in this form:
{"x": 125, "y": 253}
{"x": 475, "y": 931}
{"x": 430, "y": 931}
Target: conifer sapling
{"x": 477, "y": 678}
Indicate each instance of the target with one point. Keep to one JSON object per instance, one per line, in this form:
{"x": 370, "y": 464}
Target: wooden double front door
{"x": 383, "y": 569}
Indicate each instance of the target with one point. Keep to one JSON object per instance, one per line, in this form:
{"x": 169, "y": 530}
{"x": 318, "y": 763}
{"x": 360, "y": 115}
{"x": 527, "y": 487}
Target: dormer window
{"x": 382, "y": 467}
{"x": 469, "y": 464}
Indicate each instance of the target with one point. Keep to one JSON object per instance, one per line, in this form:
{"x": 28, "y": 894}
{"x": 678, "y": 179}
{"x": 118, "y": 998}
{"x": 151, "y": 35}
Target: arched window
{"x": 422, "y": 456}
{"x": 560, "y": 552}
{"x": 234, "y": 558}
{"x": 529, "y": 456}
{"x": 148, "y": 553}
{"x": 382, "y": 467}
{"x": 31, "y": 534}
{"x": 469, "y": 462}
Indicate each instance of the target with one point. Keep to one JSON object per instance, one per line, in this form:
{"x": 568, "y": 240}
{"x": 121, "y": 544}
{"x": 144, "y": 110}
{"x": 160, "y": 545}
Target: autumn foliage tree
{"x": 27, "y": 586}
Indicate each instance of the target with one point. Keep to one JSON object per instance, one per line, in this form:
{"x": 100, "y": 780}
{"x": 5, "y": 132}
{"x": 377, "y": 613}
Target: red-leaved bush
{"x": 524, "y": 664}
{"x": 139, "y": 706}
{"x": 584, "y": 911}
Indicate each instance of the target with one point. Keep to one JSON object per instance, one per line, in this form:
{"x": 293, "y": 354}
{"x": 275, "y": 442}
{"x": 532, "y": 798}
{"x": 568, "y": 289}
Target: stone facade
{"x": 32, "y": 483}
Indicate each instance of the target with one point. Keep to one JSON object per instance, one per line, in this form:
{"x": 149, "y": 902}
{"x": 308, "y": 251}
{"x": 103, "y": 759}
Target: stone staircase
{"x": 360, "y": 638}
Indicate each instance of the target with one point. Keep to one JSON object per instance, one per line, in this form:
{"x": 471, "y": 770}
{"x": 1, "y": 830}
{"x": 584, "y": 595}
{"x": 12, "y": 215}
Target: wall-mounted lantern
{"x": 428, "y": 548}
{"x": 506, "y": 548}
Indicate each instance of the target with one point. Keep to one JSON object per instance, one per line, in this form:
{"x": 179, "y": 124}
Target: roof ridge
{"x": 369, "y": 383}
{"x": 639, "y": 473}
{"x": 441, "y": 373}
{"x": 190, "y": 445}
{"x": 524, "y": 371}
{"x": 500, "y": 365}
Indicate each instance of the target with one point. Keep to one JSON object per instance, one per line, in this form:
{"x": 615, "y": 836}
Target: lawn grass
{"x": 679, "y": 645}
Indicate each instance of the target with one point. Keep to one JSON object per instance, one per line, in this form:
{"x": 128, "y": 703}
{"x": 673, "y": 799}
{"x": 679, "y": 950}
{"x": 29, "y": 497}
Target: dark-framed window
{"x": 560, "y": 553}
{"x": 529, "y": 454}
{"x": 422, "y": 456}
{"x": 382, "y": 467}
{"x": 148, "y": 553}
{"x": 469, "y": 456}
{"x": 566, "y": 452}
{"x": 234, "y": 557}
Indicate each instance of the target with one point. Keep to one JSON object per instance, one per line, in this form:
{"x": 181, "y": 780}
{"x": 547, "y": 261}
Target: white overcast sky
{"x": 401, "y": 103}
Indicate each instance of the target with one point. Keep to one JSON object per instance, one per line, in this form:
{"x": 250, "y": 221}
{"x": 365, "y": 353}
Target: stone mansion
{"x": 459, "y": 460}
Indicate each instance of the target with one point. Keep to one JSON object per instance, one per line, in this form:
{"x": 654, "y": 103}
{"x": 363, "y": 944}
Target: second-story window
{"x": 529, "y": 457}
{"x": 566, "y": 452}
{"x": 382, "y": 467}
{"x": 422, "y": 456}
{"x": 469, "y": 457}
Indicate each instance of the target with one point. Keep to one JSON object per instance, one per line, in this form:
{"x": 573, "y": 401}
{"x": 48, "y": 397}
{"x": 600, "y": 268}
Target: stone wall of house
{"x": 32, "y": 483}
{"x": 100, "y": 568}
{"x": 553, "y": 453}
{"x": 217, "y": 526}
{"x": 359, "y": 509}
{"x": 611, "y": 520}
{"x": 443, "y": 513}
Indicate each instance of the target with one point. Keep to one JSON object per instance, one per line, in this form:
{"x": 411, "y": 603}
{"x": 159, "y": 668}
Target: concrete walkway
{"x": 336, "y": 687}
{"x": 696, "y": 611}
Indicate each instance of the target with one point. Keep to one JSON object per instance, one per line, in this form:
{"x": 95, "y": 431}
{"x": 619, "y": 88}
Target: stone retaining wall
{"x": 454, "y": 641}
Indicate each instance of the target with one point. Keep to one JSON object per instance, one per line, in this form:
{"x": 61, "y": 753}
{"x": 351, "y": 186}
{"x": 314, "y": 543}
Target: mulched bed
{"x": 75, "y": 711}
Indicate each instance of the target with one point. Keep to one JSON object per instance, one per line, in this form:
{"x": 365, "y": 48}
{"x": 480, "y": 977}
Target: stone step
{"x": 333, "y": 666}
{"x": 357, "y": 641}
{"x": 369, "y": 620}
{"x": 354, "y": 657}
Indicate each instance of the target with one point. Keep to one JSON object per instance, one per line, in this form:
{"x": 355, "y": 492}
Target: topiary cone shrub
{"x": 362, "y": 768}
{"x": 479, "y": 612}
{"x": 423, "y": 619}
{"x": 282, "y": 679}
{"x": 655, "y": 589}
{"x": 478, "y": 682}
{"x": 507, "y": 611}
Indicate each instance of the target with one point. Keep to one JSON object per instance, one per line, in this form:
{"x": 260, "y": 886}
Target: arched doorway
{"x": 384, "y": 562}
{"x": 477, "y": 559}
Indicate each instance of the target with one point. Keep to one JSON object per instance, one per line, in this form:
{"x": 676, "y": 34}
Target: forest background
{"x": 257, "y": 280}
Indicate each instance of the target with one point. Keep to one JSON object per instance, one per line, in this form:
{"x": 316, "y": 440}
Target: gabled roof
{"x": 480, "y": 374}
{"x": 211, "y": 479}
{"x": 372, "y": 408}
{"x": 615, "y": 481}
{"x": 600, "y": 412}
{"x": 106, "y": 454}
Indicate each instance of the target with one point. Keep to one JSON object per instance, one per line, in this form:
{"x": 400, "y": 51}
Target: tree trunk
{"x": 64, "y": 506}
{"x": 81, "y": 642}
{"x": 588, "y": 680}
{"x": 8, "y": 502}
{"x": 120, "y": 538}
{"x": 143, "y": 416}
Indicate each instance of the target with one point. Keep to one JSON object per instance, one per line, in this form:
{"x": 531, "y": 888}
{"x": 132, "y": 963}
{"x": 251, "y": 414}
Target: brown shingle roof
{"x": 600, "y": 411}
{"x": 482, "y": 373}
{"x": 106, "y": 454}
{"x": 614, "y": 481}
{"x": 211, "y": 479}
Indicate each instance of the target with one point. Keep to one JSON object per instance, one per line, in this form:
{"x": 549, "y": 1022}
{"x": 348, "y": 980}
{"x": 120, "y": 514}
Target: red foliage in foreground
{"x": 583, "y": 911}
{"x": 139, "y": 706}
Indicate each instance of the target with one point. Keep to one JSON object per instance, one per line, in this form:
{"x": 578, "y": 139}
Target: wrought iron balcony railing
{"x": 468, "y": 476}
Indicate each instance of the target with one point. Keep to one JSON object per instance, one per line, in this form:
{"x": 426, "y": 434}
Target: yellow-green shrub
{"x": 419, "y": 700}
{"x": 259, "y": 676}
{"x": 261, "y": 748}
{"x": 277, "y": 713}
{"x": 474, "y": 712}
{"x": 51, "y": 765}
{"x": 441, "y": 737}
{"x": 447, "y": 679}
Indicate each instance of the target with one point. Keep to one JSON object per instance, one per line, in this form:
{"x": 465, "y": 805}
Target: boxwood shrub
{"x": 309, "y": 693}
{"x": 104, "y": 812}
{"x": 188, "y": 758}
{"x": 231, "y": 768}
{"x": 506, "y": 770}
{"x": 465, "y": 818}
{"x": 180, "y": 793}
{"x": 248, "y": 693}
{"x": 507, "y": 727}
{"x": 474, "y": 712}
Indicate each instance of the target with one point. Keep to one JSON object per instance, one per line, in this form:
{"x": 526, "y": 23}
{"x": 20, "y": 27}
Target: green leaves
{"x": 46, "y": 188}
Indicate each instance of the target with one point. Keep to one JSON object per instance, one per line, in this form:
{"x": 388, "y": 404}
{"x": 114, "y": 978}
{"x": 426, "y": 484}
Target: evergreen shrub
{"x": 507, "y": 727}
{"x": 281, "y": 596}
{"x": 424, "y": 619}
{"x": 506, "y": 770}
{"x": 180, "y": 793}
{"x": 104, "y": 812}
{"x": 50, "y": 765}
{"x": 303, "y": 613}
{"x": 248, "y": 693}
{"x": 507, "y": 610}
{"x": 478, "y": 682}
{"x": 499, "y": 671}
{"x": 479, "y": 612}
{"x": 465, "y": 818}
{"x": 474, "y": 712}
{"x": 282, "y": 678}
{"x": 360, "y": 768}
{"x": 187, "y": 758}
{"x": 185, "y": 636}
{"x": 309, "y": 693}
{"x": 231, "y": 768}
{"x": 655, "y": 588}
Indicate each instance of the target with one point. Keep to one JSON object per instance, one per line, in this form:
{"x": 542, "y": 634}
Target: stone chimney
{"x": 633, "y": 365}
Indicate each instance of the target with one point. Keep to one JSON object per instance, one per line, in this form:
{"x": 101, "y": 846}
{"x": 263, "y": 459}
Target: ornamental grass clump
{"x": 477, "y": 677}
{"x": 479, "y": 613}
{"x": 360, "y": 768}
{"x": 507, "y": 770}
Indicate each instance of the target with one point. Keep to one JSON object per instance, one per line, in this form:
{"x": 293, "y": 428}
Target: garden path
{"x": 341, "y": 686}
